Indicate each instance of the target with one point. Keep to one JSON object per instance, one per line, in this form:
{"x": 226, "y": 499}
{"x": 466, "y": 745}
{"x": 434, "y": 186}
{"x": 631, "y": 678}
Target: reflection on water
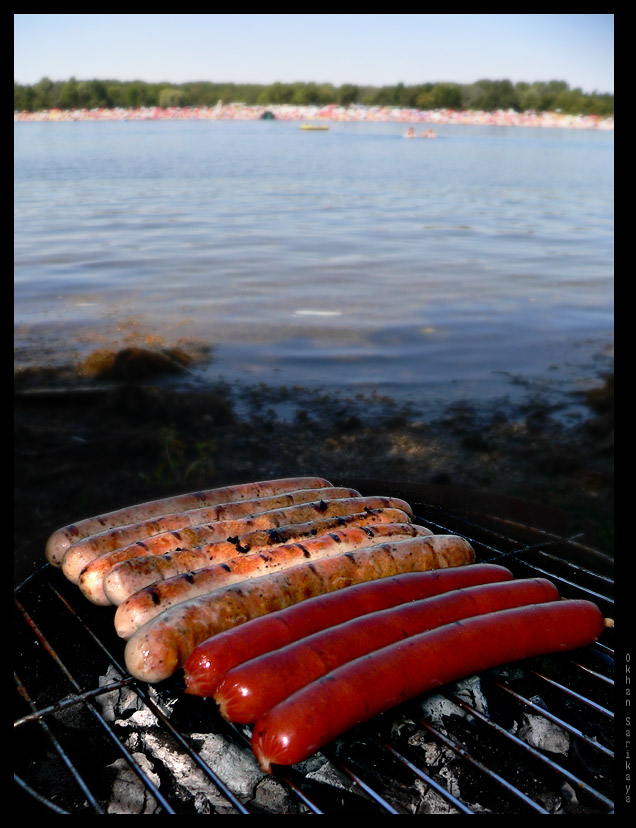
{"x": 342, "y": 258}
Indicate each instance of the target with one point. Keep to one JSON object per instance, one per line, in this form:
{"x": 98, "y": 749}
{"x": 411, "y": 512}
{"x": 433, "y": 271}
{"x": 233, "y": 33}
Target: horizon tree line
{"x": 483, "y": 95}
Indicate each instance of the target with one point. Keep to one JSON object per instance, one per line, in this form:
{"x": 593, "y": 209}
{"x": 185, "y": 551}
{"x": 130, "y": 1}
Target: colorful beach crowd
{"x": 331, "y": 113}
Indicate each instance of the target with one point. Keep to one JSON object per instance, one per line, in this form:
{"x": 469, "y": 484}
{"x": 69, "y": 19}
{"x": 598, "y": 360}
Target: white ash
{"x": 452, "y": 785}
{"x": 434, "y": 758}
{"x": 435, "y": 755}
{"x": 329, "y": 775}
{"x": 551, "y": 801}
{"x": 238, "y": 768}
{"x": 236, "y": 765}
{"x": 190, "y": 783}
{"x": 436, "y": 707}
{"x": 569, "y": 795}
{"x": 312, "y": 764}
{"x": 431, "y": 802}
{"x": 123, "y": 705}
{"x": 564, "y": 802}
{"x": 439, "y": 760}
{"x": 178, "y": 776}
{"x": 118, "y": 704}
{"x": 271, "y": 796}
{"x": 129, "y": 794}
{"x": 440, "y": 764}
{"x": 469, "y": 690}
{"x": 541, "y": 733}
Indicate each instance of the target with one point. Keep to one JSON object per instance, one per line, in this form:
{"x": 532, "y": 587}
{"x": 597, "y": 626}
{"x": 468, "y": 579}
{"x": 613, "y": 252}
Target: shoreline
{"x": 84, "y": 446}
{"x": 327, "y": 114}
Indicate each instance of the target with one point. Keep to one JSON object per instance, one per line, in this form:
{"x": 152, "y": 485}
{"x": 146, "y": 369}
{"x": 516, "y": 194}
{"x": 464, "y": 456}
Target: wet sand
{"x": 84, "y": 445}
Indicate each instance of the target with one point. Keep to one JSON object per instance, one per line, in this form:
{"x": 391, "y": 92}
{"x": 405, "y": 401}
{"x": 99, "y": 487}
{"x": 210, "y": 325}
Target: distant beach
{"x": 331, "y": 113}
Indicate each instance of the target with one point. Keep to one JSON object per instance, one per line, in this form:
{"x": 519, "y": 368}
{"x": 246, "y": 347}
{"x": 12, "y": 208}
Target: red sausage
{"x": 214, "y": 657}
{"x": 164, "y": 643}
{"x": 249, "y": 690}
{"x": 361, "y": 689}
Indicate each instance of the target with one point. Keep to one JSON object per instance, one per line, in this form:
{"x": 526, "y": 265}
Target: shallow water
{"x": 473, "y": 266}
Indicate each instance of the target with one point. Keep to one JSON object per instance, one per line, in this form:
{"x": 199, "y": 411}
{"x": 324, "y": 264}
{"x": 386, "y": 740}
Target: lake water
{"x": 474, "y": 266}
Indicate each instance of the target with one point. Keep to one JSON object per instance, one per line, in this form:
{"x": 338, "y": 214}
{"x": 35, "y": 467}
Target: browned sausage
{"x": 81, "y": 553}
{"x": 129, "y": 576}
{"x": 92, "y": 575}
{"x": 148, "y": 602}
{"x": 62, "y": 538}
{"x": 162, "y": 645}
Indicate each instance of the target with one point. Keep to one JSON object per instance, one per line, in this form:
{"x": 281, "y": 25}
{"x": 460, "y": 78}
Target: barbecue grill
{"x": 532, "y": 737}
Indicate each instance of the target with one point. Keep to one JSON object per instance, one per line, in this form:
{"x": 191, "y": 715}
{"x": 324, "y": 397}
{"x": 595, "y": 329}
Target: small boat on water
{"x": 320, "y": 127}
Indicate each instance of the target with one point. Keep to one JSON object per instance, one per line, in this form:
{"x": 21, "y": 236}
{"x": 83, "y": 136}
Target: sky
{"x": 363, "y": 49}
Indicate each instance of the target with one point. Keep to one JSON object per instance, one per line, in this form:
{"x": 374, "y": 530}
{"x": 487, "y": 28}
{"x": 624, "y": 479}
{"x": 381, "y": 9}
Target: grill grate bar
{"x": 70, "y": 766}
{"x": 583, "y": 699}
{"x": 96, "y": 714}
{"x": 37, "y": 796}
{"x": 537, "y": 548}
{"x": 577, "y": 568}
{"x": 337, "y": 763}
{"x": 282, "y": 776}
{"x": 573, "y": 569}
{"x": 590, "y": 594}
{"x": 540, "y": 757}
{"x": 298, "y": 791}
{"x": 594, "y": 673}
{"x": 548, "y": 538}
{"x": 475, "y": 763}
{"x": 159, "y": 713}
{"x": 440, "y": 789}
{"x": 555, "y": 719}
{"x": 368, "y": 789}
{"x": 193, "y": 754}
{"x": 63, "y": 704}
{"x": 603, "y": 648}
{"x": 496, "y": 556}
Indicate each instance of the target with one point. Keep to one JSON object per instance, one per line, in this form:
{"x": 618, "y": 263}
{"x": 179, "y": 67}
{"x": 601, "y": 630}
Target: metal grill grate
{"x": 474, "y": 747}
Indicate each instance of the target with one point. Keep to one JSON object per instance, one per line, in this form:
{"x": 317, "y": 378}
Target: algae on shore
{"x": 81, "y": 449}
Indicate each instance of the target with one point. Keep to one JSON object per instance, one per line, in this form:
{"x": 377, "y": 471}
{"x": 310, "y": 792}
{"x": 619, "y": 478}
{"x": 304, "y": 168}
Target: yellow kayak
{"x": 313, "y": 126}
